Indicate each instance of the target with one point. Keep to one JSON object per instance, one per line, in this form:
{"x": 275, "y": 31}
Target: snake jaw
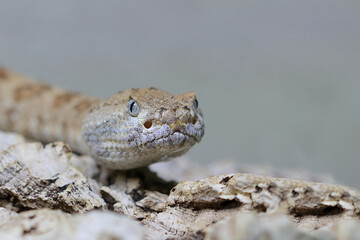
{"x": 138, "y": 145}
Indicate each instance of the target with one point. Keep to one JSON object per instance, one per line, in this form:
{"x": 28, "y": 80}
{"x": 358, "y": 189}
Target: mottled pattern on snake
{"x": 133, "y": 128}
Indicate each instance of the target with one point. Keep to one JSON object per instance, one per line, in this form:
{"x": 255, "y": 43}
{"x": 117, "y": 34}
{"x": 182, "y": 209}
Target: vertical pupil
{"x": 132, "y": 106}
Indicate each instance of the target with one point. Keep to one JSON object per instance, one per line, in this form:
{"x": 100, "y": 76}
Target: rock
{"x": 198, "y": 204}
{"x": 266, "y": 194}
{"x": 226, "y": 206}
{"x": 5, "y": 215}
{"x": 252, "y": 226}
{"x": 121, "y": 202}
{"x": 153, "y": 201}
{"x": 88, "y": 168}
{"x": 55, "y": 224}
{"x": 86, "y": 165}
{"x": 35, "y": 177}
{"x": 135, "y": 193}
{"x": 192, "y": 206}
{"x": 8, "y": 139}
{"x": 347, "y": 229}
{"x": 176, "y": 222}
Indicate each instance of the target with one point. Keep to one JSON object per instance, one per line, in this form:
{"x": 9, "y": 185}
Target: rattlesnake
{"x": 133, "y": 128}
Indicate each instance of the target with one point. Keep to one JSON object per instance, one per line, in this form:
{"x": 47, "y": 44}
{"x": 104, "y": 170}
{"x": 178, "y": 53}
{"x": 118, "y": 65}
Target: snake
{"x": 131, "y": 129}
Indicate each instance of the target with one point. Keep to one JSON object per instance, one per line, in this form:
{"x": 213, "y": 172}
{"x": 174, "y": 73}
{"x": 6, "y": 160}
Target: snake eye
{"x": 196, "y": 104}
{"x": 133, "y": 108}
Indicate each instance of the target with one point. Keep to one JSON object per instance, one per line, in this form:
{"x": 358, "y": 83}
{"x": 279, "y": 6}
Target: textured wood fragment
{"x": 5, "y": 215}
{"x": 34, "y": 177}
{"x": 136, "y": 193}
{"x": 227, "y": 206}
{"x": 267, "y": 194}
{"x": 8, "y": 139}
{"x": 54, "y": 224}
{"x": 252, "y": 226}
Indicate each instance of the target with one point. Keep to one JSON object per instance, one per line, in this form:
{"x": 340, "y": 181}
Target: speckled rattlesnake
{"x": 137, "y": 127}
{"x": 133, "y": 128}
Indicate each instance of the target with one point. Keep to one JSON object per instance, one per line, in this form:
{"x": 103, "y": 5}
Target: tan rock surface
{"x": 34, "y": 177}
{"x": 266, "y": 194}
{"x": 252, "y": 226}
{"x": 5, "y": 215}
{"x": 8, "y": 139}
{"x": 218, "y": 207}
{"x": 192, "y": 206}
{"x": 57, "y": 225}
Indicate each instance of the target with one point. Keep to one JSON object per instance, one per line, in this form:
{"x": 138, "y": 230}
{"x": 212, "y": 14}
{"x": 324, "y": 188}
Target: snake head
{"x": 137, "y": 127}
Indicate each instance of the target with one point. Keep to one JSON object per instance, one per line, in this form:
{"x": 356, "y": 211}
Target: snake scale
{"x": 133, "y": 128}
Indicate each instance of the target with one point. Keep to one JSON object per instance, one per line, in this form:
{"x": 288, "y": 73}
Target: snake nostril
{"x": 148, "y": 124}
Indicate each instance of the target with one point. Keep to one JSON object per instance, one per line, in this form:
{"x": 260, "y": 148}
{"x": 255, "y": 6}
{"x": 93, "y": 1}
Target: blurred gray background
{"x": 277, "y": 81}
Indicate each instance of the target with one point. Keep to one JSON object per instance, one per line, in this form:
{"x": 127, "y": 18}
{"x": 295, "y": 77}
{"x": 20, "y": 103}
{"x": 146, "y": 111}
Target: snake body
{"x": 133, "y": 128}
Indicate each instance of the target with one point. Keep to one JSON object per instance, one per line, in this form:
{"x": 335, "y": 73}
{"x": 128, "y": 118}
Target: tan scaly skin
{"x": 133, "y": 128}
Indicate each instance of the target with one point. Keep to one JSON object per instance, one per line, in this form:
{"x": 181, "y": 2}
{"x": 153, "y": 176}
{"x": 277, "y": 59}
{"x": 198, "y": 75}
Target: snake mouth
{"x": 173, "y": 137}
{"x": 163, "y": 138}
{"x": 149, "y": 137}
{"x": 176, "y": 139}
{"x": 166, "y": 135}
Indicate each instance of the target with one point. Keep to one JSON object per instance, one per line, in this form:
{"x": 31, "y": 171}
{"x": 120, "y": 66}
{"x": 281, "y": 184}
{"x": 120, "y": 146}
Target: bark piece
{"x": 8, "y": 139}
{"x": 54, "y": 224}
{"x": 35, "y": 177}
{"x": 5, "y": 215}
{"x": 251, "y": 226}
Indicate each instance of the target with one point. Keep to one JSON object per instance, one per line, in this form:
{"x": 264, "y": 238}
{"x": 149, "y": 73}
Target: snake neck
{"x": 41, "y": 112}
